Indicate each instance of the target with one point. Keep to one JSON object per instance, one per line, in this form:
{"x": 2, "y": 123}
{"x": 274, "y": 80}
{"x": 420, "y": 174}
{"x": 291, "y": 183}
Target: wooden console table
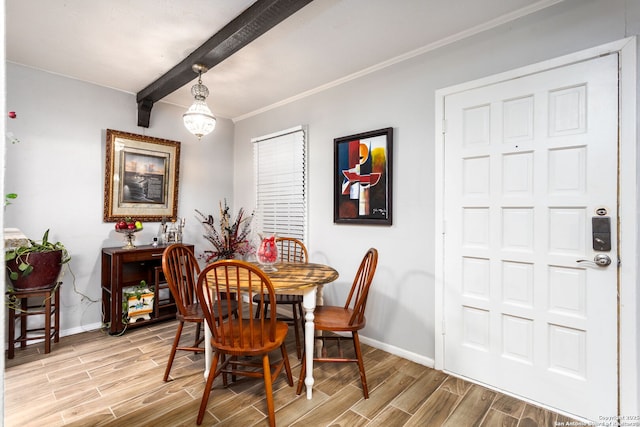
{"x": 122, "y": 268}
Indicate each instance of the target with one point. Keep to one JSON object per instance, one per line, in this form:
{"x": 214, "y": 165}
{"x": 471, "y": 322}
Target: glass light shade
{"x": 198, "y": 119}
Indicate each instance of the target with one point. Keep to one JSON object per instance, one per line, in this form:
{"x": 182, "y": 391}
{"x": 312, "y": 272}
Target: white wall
{"x": 57, "y": 170}
{"x": 401, "y": 309}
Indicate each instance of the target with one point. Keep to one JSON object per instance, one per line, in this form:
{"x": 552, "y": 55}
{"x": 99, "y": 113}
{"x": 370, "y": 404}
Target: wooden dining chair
{"x": 347, "y": 318}
{"x": 290, "y": 250}
{"x": 235, "y": 339}
{"x": 180, "y": 268}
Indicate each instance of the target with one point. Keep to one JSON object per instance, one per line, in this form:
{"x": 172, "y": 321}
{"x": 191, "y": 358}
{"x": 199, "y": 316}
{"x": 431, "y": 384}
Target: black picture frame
{"x": 363, "y": 178}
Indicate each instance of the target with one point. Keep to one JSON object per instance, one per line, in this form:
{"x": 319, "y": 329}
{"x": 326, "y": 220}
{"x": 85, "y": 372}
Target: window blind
{"x": 280, "y": 173}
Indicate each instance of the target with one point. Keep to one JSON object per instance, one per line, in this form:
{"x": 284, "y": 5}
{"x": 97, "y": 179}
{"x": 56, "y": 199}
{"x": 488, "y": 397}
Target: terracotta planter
{"x": 46, "y": 268}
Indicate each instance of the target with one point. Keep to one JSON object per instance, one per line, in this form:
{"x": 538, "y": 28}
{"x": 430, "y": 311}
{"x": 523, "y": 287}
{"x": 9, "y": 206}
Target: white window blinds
{"x": 280, "y": 173}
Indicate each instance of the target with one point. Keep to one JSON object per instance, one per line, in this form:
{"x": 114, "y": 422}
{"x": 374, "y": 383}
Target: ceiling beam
{"x": 256, "y": 20}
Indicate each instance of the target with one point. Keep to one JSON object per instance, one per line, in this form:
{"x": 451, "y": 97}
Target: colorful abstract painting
{"x": 362, "y": 178}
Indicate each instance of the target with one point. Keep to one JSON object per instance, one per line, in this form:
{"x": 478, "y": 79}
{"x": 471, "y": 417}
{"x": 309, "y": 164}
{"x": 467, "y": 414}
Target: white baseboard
{"x": 66, "y": 332}
{"x": 81, "y": 329}
{"x": 397, "y": 351}
{"x": 400, "y": 352}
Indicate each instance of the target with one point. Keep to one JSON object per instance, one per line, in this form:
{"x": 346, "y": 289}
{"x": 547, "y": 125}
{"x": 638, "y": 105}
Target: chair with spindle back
{"x": 180, "y": 268}
{"x": 235, "y": 339}
{"x": 291, "y": 250}
{"x": 347, "y": 318}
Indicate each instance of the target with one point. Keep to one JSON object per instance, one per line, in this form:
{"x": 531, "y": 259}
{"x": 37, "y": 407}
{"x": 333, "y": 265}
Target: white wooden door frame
{"x": 629, "y": 318}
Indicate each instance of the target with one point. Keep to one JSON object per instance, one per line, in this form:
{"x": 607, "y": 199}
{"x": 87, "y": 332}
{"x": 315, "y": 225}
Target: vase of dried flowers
{"x": 229, "y": 239}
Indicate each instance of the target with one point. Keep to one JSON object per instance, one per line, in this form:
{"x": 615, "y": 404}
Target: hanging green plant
{"x": 8, "y": 197}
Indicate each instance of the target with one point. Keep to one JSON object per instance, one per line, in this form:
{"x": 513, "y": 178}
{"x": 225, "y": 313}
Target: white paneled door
{"x": 529, "y": 163}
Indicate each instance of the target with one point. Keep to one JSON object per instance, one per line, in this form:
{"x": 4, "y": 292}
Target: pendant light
{"x": 198, "y": 119}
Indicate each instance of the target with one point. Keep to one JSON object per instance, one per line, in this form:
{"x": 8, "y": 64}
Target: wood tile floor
{"x": 93, "y": 379}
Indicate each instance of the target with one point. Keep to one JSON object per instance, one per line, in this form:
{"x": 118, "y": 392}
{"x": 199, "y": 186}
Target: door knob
{"x": 601, "y": 260}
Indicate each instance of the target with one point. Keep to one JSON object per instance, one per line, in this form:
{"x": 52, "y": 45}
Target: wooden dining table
{"x": 295, "y": 279}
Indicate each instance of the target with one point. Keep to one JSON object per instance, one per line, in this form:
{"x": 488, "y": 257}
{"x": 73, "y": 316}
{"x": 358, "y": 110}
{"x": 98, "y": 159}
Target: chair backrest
{"x": 181, "y": 269}
{"x": 361, "y": 284}
{"x": 235, "y": 276}
{"x": 291, "y": 250}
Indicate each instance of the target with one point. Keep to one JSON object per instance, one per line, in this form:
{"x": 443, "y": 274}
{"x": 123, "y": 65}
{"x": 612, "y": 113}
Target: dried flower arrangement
{"x": 232, "y": 239}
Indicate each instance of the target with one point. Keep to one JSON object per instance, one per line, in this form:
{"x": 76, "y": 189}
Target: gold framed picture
{"x": 141, "y": 177}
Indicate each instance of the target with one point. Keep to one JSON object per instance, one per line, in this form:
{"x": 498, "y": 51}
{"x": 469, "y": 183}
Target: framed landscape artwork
{"x": 363, "y": 178}
{"x": 141, "y": 177}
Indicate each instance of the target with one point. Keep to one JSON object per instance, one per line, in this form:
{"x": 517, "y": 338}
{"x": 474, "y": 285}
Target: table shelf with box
{"x": 122, "y": 268}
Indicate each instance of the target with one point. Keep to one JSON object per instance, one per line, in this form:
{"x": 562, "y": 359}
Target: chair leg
{"x": 363, "y": 378}
{"x": 207, "y": 388}
{"x": 172, "y": 355}
{"x": 224, "y": 363}
{"x": 47, "y": 324}
{"x": 268, "y": 388}
{"x": 12, "y": 332}
{"x": 198, "y": 339}
{"x": 56, "y": 316}
{"x": 23, "y": 322}
{"x": 294, "y": 308}
{"x": 303, "y": 373}
{"x": 302, "y": 323}
{"x": 287, "y": 366}
{"x": 265, "y": 309}
{"x": 258, "y": 308}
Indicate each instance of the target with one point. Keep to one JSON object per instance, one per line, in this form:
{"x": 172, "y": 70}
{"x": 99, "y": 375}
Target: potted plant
{"x": 137, "y": 303}
{"x": 36, "y": 265}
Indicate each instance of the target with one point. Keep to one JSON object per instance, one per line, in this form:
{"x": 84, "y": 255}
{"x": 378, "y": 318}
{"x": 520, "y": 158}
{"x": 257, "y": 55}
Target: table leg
{"x": 319, "y": 301}
{"x": 208, "y": 351}
{"x": 309, "y": 304}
